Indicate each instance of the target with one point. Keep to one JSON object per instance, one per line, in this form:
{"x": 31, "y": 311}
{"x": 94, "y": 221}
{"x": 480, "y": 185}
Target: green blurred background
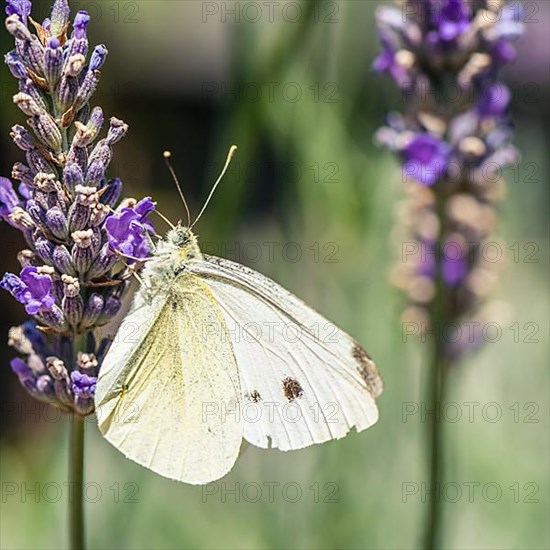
{"x": 293, "y": 89}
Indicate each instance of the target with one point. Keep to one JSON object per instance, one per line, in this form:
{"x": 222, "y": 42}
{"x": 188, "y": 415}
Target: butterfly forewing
{"x": 167, "y": 400}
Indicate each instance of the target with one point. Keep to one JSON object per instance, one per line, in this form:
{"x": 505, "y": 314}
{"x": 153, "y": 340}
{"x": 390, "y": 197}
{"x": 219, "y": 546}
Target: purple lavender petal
{"x": 128, "y": 229}
{"x": 452, "y": 18}
{"x": 15, "y": 286}
{"x": 32, "y": 289}
{"x": 8, "y": 199}
{"x": 494, "y": 100}
{"x": 83, "y": 385}
{"x": 99, "y": 55}
{"x": 22, "y": 8}
{"x": 23, "y": 371}
{"x": 80, "y": 24}
{"x": 426, "y": 158}
{"x": 455, "y": 267}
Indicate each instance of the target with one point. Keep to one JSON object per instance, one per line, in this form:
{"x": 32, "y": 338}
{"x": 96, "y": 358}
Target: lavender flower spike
{"x": 446, "y": 144}
{"x": 72, "y": 280}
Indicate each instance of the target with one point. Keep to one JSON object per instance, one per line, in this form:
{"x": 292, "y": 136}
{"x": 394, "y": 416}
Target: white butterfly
{"x": 221, "y": 353}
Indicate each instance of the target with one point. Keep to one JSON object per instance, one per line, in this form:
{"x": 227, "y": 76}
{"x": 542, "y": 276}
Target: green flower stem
{"x": 440, "y": 316}
{"x": 76, "y": 466}
{"x": 76, "y": 482}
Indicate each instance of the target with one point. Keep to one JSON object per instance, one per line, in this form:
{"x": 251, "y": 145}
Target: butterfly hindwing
{"x": 304, "y": 380}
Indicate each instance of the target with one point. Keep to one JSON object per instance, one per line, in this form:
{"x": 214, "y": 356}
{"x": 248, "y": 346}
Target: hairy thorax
{"x": 172, "y": 255}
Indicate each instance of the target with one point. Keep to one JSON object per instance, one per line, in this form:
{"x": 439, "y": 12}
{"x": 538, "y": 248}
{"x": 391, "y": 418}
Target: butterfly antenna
{"x": 226, "y": 166}
{"x": 167, "y": 155}
{"x": 162, "y": 216}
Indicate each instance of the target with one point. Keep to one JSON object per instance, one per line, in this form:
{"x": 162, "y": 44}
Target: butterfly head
{"x": 185, "y": 241}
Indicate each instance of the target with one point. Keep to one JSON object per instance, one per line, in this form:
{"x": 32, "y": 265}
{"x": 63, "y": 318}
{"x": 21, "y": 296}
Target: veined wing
{"x": 165, "y": 399}
{"x": 304, "y": 380}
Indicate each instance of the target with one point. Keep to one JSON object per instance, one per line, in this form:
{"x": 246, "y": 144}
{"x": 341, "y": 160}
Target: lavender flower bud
{"x": 62, "y": 260}
{"x": 98, "y": 57}
{"x": 28, "y": 87}
{"x": 80, "y": 211}
{"x": 83, "y": 136}
{"x": 78, "y": 156}
{"x": 57, "y": 368}
{"x": 111, "y": 196}
{"x": 72, "y": 176}
{"x": 104, "y": 262}
{"x": 74, "y": 65}
{"x": 46, "y": 130}
{"x": 84, "y": 387}
{"x": 22, "y": 173}
{"x": 21, "y": 219}
{"x": 87, "y": 88}
{"x": 57, "y": 223}
{"x": 46, "y": 182}
{"x": 39, "y": 164}
{"x": 117, "y": 130}
{"x": 22, "y": 138}
{"x": 99, "y": 213}
{"x": 95, "y": 173}
{"x": 77, "y": 46}
{"x": 15, "y": 66}
{"x": 95, "y": 122}
{"x": 21, "y": 8}
{"x": 53, "y": 318}
{"x": 26, "y": 258}
{"x": 66, "y": 92}
{"x": 73, "y": 305}
{"x": 36, "y": 212}
{"x": 93, "y": 310}
{"x": 86, "y": 361}
{"x": 27, "y": 104}
{"x": 87, "y": 133}
{"x": 98, "y": 162}
{"x": 32, "y": 52}
{"x": 18, "y": 29}
{"x": 53, "y": 62}
{"x": 87, "y": 196}
{"x": 45, "y": 386}
{"x": 44, "y": 249}
{"x": 58, "y": 290}
{"x": 60, "y": 375}
{"x": 80, "y": 24}
{"x": 23, "y": 372}
{"x": 101, "y": 153}
{"x": 110, "y": 309}
{"x": 19, "y": 341}
{"x": 82, "y": 252}
{"x": 97, "y": 239}
{"x": 59, "y": 17}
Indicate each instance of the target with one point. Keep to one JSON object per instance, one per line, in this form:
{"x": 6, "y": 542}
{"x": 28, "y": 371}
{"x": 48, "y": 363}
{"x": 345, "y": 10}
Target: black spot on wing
{"x": 291, "y": 388}
{"x": 368, "y": 371}
{"x": 254, "y": 396}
